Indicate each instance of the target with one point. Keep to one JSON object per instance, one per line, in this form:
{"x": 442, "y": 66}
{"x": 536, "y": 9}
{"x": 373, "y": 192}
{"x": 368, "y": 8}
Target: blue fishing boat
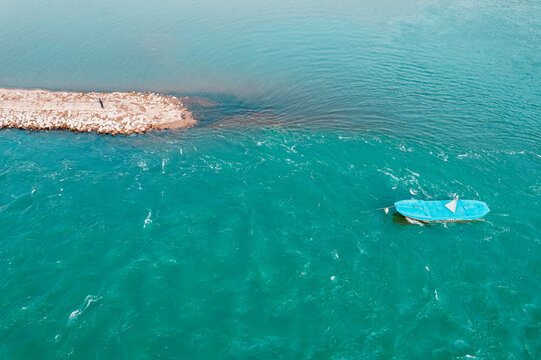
{"x": 442, "y": 210}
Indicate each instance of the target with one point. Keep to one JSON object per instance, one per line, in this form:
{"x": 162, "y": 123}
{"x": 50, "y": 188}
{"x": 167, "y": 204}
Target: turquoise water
{"x": 254, "y": 234}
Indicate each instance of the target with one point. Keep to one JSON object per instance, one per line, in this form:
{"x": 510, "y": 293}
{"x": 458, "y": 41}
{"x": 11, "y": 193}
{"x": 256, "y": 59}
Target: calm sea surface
{"x": 254, "y": 234}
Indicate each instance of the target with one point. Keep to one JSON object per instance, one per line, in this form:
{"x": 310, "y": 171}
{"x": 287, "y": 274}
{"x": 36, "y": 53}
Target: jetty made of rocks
{"x": 122, "y": 112}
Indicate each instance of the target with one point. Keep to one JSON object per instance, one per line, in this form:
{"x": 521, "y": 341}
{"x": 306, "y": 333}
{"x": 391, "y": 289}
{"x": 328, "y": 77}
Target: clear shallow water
{"x": 251, "y": 235}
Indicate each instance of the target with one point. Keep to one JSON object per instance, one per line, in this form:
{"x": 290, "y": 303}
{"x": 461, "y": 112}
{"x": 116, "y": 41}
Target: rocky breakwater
{"x": 122, "y": 112}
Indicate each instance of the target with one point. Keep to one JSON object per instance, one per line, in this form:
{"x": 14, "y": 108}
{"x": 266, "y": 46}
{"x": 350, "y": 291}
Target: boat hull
{"x": 435, "y": 211}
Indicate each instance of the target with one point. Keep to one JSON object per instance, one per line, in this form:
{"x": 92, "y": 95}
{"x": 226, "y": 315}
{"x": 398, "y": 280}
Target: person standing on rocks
{"x": 101, "y": 103}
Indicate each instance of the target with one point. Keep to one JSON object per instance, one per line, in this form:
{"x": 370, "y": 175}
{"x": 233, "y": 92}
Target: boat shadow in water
{"x": 402, "y": 220}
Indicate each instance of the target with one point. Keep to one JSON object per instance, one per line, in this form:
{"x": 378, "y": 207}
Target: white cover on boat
{"x": 451, "y": 205}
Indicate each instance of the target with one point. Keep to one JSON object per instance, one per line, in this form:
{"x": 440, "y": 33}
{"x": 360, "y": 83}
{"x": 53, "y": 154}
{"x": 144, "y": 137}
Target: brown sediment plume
{"x": 122, "y": 112}
{"x": 256, "y": 118}
{"x": 200, "y": 101}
